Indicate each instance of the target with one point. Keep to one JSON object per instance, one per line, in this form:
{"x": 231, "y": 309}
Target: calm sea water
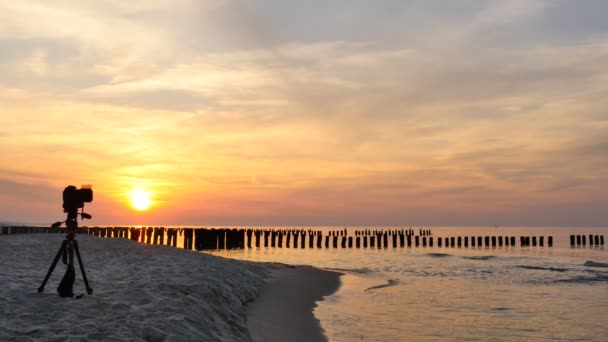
{"x": 461, "y": 294}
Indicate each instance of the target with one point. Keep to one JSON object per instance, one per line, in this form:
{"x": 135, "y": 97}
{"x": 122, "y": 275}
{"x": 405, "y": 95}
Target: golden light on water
{"x": 140, "y": 199}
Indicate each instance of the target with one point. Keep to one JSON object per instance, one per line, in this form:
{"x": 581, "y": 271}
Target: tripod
{"x": 67, "y": 249}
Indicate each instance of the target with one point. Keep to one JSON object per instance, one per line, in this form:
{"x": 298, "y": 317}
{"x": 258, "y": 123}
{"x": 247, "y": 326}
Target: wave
{"x": 596, "y": 278}
{"x": 439, "y": 255}
{"x": 390, "y": 282}
{"x": 595, "y": 264}
{"x": 554, "y": 269}
{"x": 363, "y": 270}
{"x": 483, "y": 257}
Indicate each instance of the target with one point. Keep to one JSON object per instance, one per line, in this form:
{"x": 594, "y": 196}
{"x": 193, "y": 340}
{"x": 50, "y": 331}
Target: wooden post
{"x": 249, "y": 234}
{"x": 303, "y": 239}
{"x": 258, "y": 235}
{"x": 409, "y": 240}
{"x": 296, "y": 234}
{"x": 280, "y": 239}
{"x": 169, "y": 235}
{"x": 602, "y": 240}
{"x": 155, "y": 236}
{"x": 550, "y": 242}
{"x": 365, "y": 241}
{"x": 198, "y": 239}
{"x": 327, "y": 241}
{"x": 335, "y": 241}
{"x": 578, "y": 240}
{"x": 385, "y": 240}
{"x": 394, "y": 240}
{"x": 319, "y": 239}
{"x": 460, "y": 241}
{"x": 187, "y": 238}
{"x": 584, "y": 240}
{"x": 452, "y": 241}
{"x": 424, "y": 241}
{"x": 513, "y": 241}
{"x": 534, "y": 241}
{"x": 430, "y": 241}
{"x": 597, "y": 240}
{"x": 343, "y": 244}
{"x": 493, "y": 241}
{"x": 311, "y": 240}
{"x": 466, "y": 241}
{"x": 472, "y": 241}
{"x": 358, "y": 242}
{"x": 350, "y": 242}
{"x": 487, "y": 241}
{"x": 417, "y": 240}
{"x": 479, "y": 241}
{"x": 221, "y": 238}
{"x": 439, "y": 241}
{"x": 402, "y": 240}
{"x": 149, "y": 232}
{"x": 541, "y": 241}
{"x": 372, "y": 242}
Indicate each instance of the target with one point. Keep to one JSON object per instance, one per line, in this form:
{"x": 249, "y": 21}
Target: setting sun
{"x": 140, "y": 199}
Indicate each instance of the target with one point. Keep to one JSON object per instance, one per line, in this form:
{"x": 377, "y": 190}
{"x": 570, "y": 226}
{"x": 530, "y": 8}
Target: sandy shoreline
{"x": 149, "y": 293}
{"x": 284, "y": 309}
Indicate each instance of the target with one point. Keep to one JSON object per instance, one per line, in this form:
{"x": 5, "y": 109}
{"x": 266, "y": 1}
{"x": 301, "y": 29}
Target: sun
{"x": 140, "y": 199}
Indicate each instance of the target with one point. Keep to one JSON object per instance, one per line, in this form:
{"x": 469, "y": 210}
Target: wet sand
{"x": 284, "y": 309}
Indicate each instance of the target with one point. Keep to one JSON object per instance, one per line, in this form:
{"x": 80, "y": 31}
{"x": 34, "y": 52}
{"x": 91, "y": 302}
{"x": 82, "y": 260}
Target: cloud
{"x": 463, "y": 105}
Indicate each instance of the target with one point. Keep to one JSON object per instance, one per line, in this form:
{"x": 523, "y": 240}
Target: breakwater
{"x": 237, "y": 238}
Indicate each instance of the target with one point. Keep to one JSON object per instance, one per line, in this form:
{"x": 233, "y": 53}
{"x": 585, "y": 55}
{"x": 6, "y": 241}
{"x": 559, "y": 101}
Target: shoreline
{"x": 283, "y": 310}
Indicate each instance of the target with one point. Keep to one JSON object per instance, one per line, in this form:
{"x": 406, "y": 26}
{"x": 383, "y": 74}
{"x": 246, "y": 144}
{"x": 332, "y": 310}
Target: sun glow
{"x": 140, "y": 199}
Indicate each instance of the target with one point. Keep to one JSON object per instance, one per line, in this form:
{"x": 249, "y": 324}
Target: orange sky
{"x": 237, "y": 113}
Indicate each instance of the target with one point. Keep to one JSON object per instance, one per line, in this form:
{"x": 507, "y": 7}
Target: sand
{"x": 284, "y": 310}
{"x": 153, "y": 293}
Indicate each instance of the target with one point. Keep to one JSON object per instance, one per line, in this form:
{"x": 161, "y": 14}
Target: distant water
{"x": 461, "y": 294}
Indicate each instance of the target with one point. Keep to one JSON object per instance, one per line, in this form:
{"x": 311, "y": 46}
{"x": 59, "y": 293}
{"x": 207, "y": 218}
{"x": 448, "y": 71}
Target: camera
{"x": 74, "y": 198}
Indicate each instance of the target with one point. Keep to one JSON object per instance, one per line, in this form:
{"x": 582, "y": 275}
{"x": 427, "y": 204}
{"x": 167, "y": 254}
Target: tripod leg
{"x": 84, "y": 275}
{"x": 48, "y": 275}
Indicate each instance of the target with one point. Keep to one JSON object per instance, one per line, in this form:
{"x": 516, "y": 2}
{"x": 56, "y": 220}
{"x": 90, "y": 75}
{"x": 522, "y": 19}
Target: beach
{"x": 154, "y": 293}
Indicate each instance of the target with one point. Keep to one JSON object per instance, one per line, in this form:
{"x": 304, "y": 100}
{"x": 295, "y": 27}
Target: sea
{"x": 469, "y": 293}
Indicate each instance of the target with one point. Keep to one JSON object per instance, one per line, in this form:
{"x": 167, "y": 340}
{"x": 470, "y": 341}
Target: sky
{"x": 300, "y": 113}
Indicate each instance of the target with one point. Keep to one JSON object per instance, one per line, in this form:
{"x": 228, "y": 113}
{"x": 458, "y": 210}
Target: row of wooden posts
{"x": 381, "y": 238}
{"x": 581, "y": 240}
{"x": 211, "y": 239}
